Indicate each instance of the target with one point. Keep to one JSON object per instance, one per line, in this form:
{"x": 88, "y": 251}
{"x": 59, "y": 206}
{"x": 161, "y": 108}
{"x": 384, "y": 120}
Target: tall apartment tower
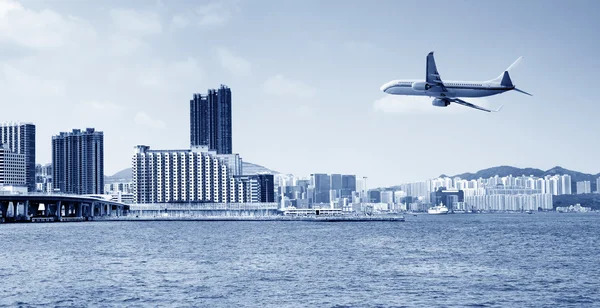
{"x": 78, "y": 162}
{"x": 19, "y": 138}
{"x": 210, "y": 120}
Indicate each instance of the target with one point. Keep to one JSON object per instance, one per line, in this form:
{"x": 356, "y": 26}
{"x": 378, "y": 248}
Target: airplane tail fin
{"x": 504, "y": 78}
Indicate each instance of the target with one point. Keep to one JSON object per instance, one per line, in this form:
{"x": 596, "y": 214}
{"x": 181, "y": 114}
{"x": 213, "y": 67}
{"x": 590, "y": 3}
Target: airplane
{"x": 447, "y": 92}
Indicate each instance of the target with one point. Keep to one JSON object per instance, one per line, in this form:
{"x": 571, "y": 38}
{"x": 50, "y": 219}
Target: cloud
{"x": 210, "y": 15}
{"x": 13, "y": 78}
{"x": 44, "y": 29}
{"x": 421, "y": 104}
{"x": 234, "y": 64}
{"x": 278, "y": 85}
{"x": 143, "y": 119}
{"x": 180, "y": 21}
{"x": 214, "y": 14}
{"x": 168, "y": 76}
{"x": 138, "y": 22}
{"x": 360, "y": 46}
{"x": 105, "y": 106}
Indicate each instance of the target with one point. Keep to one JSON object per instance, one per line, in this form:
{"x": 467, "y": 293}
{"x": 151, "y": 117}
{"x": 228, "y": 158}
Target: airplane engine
{"x": 420, "y": 86}
{"x": 438, "y": 102}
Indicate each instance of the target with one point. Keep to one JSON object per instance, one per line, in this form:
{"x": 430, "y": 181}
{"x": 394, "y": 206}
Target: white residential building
{"x": 196, "y": 175}
{"x": 584, "y": 187}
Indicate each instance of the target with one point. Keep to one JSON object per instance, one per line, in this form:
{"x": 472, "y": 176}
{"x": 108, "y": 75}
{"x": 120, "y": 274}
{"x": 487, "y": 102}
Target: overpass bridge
{"x": 57, "y": 207}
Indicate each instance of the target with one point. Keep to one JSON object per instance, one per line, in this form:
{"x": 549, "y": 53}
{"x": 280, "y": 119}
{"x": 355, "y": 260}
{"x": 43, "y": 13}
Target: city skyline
{"x": 323, "y": 111}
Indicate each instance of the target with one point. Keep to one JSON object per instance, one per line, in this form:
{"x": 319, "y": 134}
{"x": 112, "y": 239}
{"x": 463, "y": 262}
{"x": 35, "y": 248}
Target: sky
{"x": 305, "y": 79}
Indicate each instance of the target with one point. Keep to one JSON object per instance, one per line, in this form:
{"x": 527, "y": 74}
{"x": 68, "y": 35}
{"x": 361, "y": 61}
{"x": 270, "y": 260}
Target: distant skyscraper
{"x": 387, "y": 197}
{"x": 210, "y": 120}
{"x": 322, "y": 186}
{"x": 598, "y": 185}
{"x": 336, "y": 184}
{"x": 348, "y": 185}
{"x": 256, "y": 188}
{"x": 566, "y": 185}
{"x": 374, "y": 196}
{"x": 584, "y": 187}
{"x": 43, "y": 178}
{"x": 20, "y": 139}
{"x": 78, "y": 162}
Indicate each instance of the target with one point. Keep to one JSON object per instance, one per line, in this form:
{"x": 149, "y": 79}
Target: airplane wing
{"x": 432, "y": 76}
{"x": 461, "y": 102}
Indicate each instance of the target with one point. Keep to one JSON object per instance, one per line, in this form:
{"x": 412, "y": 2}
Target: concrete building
{"x": 348, "y": 186}
{"x": 387, "y": 197}
{"x": 374, "y": 196}
{"x": 257, "y": 188}
{"x": 113, "y": 188}
{"x": 210, "y": 120}
{"x": 20, "y": 139}
{"x": 598, "y": 185}
{"x": 584, "y": 187}
{"x": 196, "y": 175}
{"x": 322, "y": 185}
{"x": 336, "y": 184}
{"x": 43, "y": 178}
{"x": 78, "y": 162}
{"x": 514, "y": 203}
{"x": 566, "y": 188}
{"x": 13, "y": 171}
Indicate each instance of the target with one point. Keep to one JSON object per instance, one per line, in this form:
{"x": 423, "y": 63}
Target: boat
{"x": 438, "y": 209}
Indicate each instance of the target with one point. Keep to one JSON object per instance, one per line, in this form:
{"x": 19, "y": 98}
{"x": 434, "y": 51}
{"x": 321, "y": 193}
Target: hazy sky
{"x": 305, "y": 78}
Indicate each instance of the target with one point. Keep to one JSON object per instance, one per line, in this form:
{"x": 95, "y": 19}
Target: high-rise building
{"x": 565, "y": 185}
{"x": 598, "y": 185}
{"x": 257, "y": 188}
{"x": 584, "y": 187}
{"x": 387, "y": 196}
{"x": 12, "y": 168}
{"x": 374, "y": 196}
{"x": 43, "y": 178}
{"x": 20, "y": 139}
{"x": 336, "y": 184}
{"x": 78, "y": 162}
{"x": 322, "y": 186}
{"x": 348, "y": 185}
{"x": 210, "y": 120}
{"x": 196, "y": 175}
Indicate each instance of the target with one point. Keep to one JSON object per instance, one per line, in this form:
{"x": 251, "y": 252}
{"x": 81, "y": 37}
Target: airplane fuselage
{"x": 455, "y": 88}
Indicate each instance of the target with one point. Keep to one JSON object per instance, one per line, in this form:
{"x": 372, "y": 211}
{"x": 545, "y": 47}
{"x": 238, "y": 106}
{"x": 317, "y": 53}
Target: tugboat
{"x": 438, "y": 209}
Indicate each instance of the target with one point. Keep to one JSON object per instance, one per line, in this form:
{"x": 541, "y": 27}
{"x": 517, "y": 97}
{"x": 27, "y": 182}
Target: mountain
{"x": 501, "y": 171}
{"x": 122, "y": 176}
{"x": 125, "y": 176}
{"x": 250, "y": 169}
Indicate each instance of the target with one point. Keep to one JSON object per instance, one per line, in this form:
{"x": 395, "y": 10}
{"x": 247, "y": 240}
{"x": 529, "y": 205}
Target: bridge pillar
{"x": 78, "y": 209}
{"x": 26, "y": 209}
{"x": 58, "y": 210}
{"x": 3, "y": 210}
